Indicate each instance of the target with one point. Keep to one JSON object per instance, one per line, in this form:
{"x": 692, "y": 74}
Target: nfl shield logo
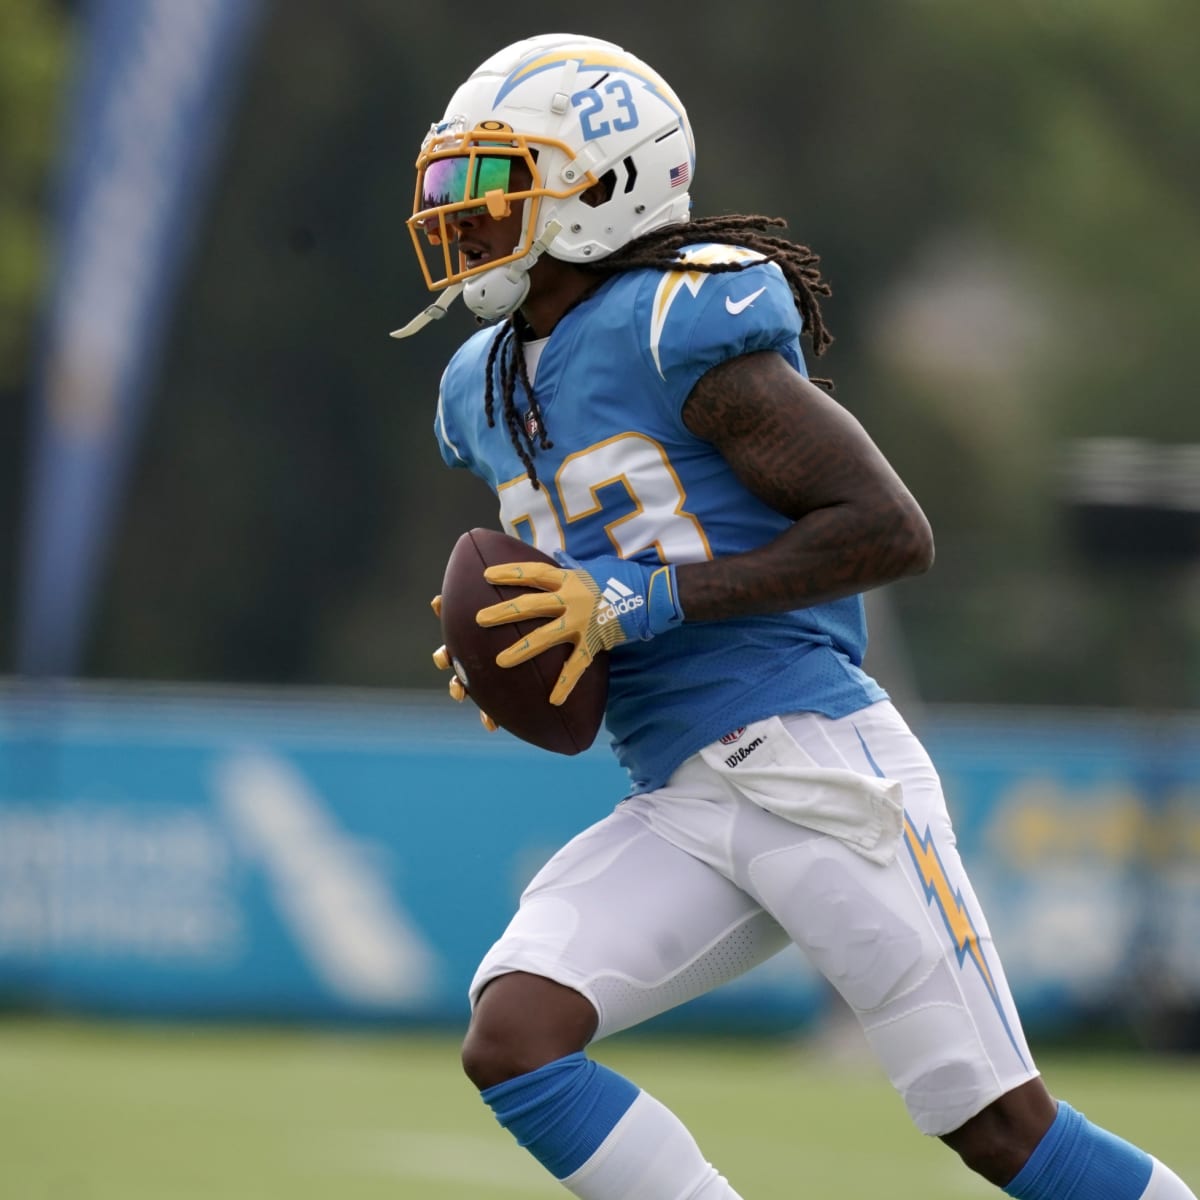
{"x": 730, "y": 738}
{"x": 531, "y": 425}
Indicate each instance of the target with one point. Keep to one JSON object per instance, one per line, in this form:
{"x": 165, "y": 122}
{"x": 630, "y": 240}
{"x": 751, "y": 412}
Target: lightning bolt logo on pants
{"x": 959, "y": 925}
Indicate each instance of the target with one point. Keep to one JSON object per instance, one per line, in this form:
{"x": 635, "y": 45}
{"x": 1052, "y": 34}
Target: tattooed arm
{"x": 856, "y": 526}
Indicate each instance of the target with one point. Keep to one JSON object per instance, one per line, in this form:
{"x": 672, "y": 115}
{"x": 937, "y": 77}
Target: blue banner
{"x": 328, "y": 858}
{"x": 319, "y": 860}
{"x": 152, "y": 95}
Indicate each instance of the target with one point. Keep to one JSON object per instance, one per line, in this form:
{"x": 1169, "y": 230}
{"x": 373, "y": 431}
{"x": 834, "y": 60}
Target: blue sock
{"x": 1077, "y": 1160}
{"x": 562, "y": 1112}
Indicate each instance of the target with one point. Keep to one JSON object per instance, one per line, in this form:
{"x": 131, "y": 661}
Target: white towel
{"x": 770, "y": 768}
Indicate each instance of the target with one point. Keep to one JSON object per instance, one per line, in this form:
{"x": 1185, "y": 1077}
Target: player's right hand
{"x": 456, "y": 688}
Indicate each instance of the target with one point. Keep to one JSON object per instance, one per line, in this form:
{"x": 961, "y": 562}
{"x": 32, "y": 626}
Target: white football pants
{"x": 832, "y": 834}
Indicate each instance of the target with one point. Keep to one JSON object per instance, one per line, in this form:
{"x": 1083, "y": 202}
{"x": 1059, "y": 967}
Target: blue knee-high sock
{"x": 1077, "y": 1160}
{"x": 563, "y": 1111}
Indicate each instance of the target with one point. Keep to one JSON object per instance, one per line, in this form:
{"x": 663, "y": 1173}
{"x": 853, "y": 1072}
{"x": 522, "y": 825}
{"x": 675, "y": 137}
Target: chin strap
{"x": 493, "y": 294}
{"x": 552, "y": 230}
{"x": 435, "y": 312}
{"x": 514, "y": 273}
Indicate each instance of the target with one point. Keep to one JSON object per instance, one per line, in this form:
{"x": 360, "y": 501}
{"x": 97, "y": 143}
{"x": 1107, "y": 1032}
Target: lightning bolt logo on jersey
{"x": 626, "y": 477}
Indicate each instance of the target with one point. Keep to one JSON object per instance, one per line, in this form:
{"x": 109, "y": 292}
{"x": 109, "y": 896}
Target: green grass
{"x": 126, "y": 1112}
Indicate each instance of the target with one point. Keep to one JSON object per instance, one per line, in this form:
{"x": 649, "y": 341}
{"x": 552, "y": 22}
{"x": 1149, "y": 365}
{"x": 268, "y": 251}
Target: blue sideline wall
{"x": 333, "y": 857}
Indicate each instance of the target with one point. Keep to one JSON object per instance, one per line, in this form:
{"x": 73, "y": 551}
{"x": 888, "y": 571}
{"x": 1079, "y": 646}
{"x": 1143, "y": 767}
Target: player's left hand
{"x": 598, "y": 604}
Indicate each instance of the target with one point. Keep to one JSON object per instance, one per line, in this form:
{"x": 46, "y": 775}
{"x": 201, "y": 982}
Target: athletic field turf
{"x": 126, "y": 1112}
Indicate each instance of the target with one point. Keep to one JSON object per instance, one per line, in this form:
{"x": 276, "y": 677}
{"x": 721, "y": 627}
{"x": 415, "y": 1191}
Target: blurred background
{"x": 230, "y": 784}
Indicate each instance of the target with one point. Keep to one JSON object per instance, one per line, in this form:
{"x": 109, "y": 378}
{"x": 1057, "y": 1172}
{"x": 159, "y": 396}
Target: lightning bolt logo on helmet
{"x": 566, "y": 113}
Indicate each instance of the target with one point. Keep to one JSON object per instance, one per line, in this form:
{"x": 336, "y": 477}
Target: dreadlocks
{"x": 657, "y": 250}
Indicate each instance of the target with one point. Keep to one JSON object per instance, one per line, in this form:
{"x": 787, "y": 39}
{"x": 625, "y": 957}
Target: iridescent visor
{"x": 464, "y": 177}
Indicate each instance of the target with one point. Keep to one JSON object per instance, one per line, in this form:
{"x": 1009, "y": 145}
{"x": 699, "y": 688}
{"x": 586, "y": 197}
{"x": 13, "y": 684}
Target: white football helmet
{"x": 576, "y": 111}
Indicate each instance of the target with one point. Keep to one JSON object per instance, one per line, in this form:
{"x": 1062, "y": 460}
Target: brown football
{"x": 516, "y": 698}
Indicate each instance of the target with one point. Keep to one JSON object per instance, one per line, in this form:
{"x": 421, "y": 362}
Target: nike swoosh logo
{"x": 737, "y": 306}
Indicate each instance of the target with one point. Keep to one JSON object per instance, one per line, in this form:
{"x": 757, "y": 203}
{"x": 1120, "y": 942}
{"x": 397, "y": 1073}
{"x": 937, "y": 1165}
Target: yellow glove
{"x": 441, "y": 660}
{"x": 592, "y": 606}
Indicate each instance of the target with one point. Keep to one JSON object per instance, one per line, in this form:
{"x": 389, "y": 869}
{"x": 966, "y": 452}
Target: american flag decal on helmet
{"x": 680, "y": 175}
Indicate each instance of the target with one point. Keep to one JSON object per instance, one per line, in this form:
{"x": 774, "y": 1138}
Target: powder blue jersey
{"x": 626, "y": 477}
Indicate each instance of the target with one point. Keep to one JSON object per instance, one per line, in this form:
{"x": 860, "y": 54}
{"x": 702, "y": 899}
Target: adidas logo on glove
{"x": 617, "y": 599}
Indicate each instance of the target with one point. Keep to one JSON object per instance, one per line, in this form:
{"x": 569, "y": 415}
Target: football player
{"x": 640, "y": 405}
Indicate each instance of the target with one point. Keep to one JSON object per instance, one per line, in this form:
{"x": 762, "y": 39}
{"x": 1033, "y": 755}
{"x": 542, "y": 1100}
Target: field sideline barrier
{"x": 333, "y": 856}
